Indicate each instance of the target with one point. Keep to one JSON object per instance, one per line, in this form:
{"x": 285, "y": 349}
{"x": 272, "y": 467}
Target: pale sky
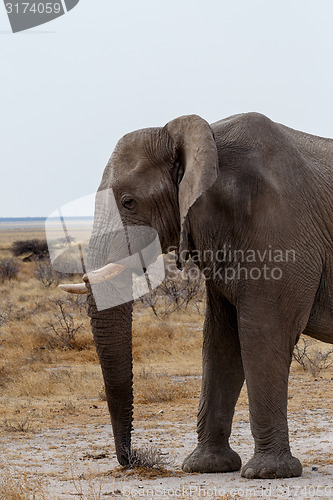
{"x": 71, "y": 88}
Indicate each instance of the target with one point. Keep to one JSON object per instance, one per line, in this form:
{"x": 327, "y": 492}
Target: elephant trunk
{"x": 112, "y": 330}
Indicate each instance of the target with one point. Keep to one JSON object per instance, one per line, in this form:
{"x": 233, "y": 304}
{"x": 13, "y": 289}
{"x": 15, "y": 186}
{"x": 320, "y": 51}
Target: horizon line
{"x": 42, "y": 218}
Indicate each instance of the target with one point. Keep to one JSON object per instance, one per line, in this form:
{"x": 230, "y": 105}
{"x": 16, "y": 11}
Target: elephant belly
{"x": 320, "y": 323}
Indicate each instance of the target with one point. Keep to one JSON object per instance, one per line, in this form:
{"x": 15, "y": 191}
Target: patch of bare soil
{"x": 71, "y": 454}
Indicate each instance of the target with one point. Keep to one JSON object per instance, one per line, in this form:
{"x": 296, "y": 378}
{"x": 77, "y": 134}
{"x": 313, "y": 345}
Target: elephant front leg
{"x": 222, "y": 381}
{"x": 267, "y": 355}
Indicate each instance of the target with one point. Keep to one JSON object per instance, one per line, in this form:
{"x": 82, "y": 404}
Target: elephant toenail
{"x": 249, "y": 473}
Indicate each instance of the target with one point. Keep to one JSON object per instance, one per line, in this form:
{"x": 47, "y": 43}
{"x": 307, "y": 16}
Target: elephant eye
{"x": 128, "y": 202}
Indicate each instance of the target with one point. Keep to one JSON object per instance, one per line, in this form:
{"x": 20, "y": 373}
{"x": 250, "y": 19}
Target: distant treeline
{"x": 40, "y": 219}
{"x": 22, "y": 219}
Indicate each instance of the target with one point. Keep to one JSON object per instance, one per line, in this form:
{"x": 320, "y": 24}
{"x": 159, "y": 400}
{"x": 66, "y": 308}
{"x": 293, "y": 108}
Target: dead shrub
{"x": 78, "y": 302}
{"x": 9, "y": 269}
{"x": 177, "y": 292}
{"x": 311, "y": 357}
{"x": 9, "y": 312}
{"x": 62, "y": 328}
{"x": 46, "y": 275}
{"x": 18, "y": 426}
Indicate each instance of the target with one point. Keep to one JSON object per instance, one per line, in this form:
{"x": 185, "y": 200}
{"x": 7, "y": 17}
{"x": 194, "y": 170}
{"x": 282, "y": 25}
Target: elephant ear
{"x": 196, "y": 151}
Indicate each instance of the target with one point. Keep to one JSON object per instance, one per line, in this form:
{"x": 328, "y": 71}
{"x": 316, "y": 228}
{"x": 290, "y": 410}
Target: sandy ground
{"x": 78, "y": 461}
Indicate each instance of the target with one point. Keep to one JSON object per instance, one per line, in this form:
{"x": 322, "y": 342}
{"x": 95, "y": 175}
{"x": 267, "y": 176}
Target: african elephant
{"x": 252, "y": 202}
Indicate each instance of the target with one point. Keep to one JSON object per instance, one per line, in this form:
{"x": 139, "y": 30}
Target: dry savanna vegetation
{"x": 50, "y": 376}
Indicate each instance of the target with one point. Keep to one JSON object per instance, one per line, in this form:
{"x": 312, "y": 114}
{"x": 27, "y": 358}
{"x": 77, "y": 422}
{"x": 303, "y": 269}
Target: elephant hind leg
{"x": 222, "y": 381}
{"x": 267, "y": 345}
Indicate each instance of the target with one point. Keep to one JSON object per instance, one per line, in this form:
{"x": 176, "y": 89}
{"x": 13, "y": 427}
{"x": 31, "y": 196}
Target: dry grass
{"x": 30, "y": 488}
{"x": 158, "y": 389}
{"x": 38, "y": 369}
{"x": 159, "y": 342}
{"x": 25, "y": 488}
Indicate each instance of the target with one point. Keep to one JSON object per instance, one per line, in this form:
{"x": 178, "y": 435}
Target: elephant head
{"x": 155, "y": 175}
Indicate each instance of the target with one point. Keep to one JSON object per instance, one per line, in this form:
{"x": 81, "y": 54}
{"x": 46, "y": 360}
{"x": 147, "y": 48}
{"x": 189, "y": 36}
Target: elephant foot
{"x": 204, "y": 459}
{"x": 262, "y": 466}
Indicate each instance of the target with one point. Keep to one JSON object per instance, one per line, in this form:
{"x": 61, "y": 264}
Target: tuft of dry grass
{"x": 24, "y": 488}
{"x": 18, "y": 426}
{"x": 148, "y": 458}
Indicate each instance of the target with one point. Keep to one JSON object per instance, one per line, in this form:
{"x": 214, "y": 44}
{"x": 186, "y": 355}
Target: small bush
{"x": 62, "y": 328}
{"x": 9, "y": 269}
{"x": 22, "y": 426}
{"x": 311, "y": 358}
{"x": 181, "y": 290}
{"x": 78, "y": 302}
{"x": 46, "y": 275}
{"x": 34, "y": 248}
{"x": 177, "y": 292}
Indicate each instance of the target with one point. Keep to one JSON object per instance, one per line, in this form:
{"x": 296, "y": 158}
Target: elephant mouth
{"x": 101, "y": 275}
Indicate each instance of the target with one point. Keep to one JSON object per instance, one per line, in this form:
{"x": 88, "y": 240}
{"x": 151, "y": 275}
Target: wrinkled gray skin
{"x": 246, "y": 183}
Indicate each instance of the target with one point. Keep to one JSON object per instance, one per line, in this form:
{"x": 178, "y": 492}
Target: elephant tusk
{"x": 79, "y": 288}
{"x": 103, "y": 274}
{"x": 93, "y": 277}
